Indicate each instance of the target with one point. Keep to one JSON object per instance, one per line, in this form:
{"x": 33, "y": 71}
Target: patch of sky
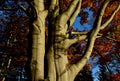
{"x": 97, "y": 3}
{"x": 25, "y": 5}
{"x": 95, "y": 73}
{"x": 1, "y": 12}
{"x": 114, "y": 66}
{"x": 10, "y": 3}
{"x": 4, "y": 16}
{"x": 86, "y": 26}
{"x": 93, "y": 60}
{"x": 20, "y": 13}
{"x": 95, "y": 67}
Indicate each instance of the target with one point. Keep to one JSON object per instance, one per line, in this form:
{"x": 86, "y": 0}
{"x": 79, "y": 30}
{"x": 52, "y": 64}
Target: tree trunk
{"x": 51, "y": 64}
{"x": 61, "y": 62}
{"x": 38, "y": 51}
{"x": 38, "y": 40}
{"x": 58, "y": 67}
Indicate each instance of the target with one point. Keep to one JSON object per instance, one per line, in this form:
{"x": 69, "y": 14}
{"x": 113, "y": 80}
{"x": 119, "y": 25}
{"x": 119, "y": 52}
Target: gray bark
{"x": 58, "y": 67}
{"x": 38, "y": 41}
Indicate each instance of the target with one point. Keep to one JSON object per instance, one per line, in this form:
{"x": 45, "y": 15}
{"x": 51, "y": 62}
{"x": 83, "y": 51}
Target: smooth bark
{"x": 59, "y": 68}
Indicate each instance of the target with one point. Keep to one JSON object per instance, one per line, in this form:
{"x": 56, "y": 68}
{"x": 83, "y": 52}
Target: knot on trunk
{"x": 34, "y": 62}
{"x": 60, "y": 45}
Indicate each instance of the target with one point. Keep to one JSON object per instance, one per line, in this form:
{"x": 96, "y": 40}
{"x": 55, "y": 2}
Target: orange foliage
{"x": 73, "y": 55}
{"x": 64, "y": 4}
{"x": 103, "y": 48}
{"x": 104, "y": 58}
{"x": 116, "y": 77}
{"x": 103, "y": 45}
{"x": 87, "y": 3}
{"x": 116, "y": 33}
{"x": 110, "y": 9}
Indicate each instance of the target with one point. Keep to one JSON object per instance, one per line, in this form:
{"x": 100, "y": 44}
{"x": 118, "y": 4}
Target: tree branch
{"x": 10, "y": 9}
{"x": 75, "y": 13}
{"x": 53, "y": 4}
{"x": 111, "y": 38}
{"x": 66, "y": 15}
{"x": 39, "y": 5}
{"x": 110, "y": 19}
{"x": 54, "y": 8}
{"x": 71, "y": 8}
{"x": 80, "y": 64}
{"x": 23, "y": 8}
{"x": 101, "y": 13}
{"x": 79, "y": 33}
{"x": 69, "y": 42}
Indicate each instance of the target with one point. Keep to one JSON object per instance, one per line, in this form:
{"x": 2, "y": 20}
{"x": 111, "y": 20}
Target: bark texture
{"x": 58, "y": 67}
{"x": 38, "y": 41}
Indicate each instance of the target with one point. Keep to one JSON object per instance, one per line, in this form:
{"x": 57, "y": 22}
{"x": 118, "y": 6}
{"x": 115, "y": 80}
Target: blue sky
{"x": 86, "y": 26}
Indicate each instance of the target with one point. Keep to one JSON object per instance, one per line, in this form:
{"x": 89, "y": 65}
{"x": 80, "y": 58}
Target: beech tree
{"x": 49, "y": 59}
{"x": 59, "y": 68}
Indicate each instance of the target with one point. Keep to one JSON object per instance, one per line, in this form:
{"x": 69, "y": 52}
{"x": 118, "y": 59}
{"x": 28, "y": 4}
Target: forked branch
{"x": 75, "y": 13}
{"x": 110, "y": 19}
{"x": 66, "y": 15}
{"x": 52, "y": 5}
{"x": 80, "y": 64}
{"x": 69, "y": 42}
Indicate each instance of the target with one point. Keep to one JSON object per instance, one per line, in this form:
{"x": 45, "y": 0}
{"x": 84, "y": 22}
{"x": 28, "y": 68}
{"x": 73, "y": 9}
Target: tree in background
{"x": 54, "y": 18}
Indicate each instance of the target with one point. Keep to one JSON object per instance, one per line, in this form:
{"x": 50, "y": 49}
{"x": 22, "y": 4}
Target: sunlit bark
{"x": 110, "y": 19}
{"x": 38, "y": 41}
{"x": 92, "y": 38}
{"x": 59, "y": 68}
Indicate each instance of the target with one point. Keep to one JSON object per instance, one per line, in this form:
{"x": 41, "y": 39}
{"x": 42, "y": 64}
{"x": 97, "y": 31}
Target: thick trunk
{"x": 51, "y": 64}
{"x": 38, "y": 51}
{"x": 60, "y": 53}
{"x": 58, "y": 66}
{"x": 61, "y": 62}
{"x": 57, "y": 54}
{"x": 38, "y": 40}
